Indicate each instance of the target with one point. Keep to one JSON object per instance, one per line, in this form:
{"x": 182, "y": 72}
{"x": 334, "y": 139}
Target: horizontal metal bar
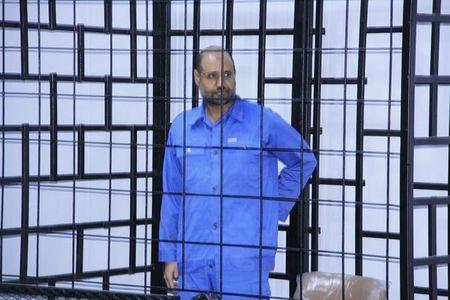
{"x": 28, "y": 290}
{"x": 278, "y": 275}
{"x": 69, "y": 226}
{"x": 283, "y": 227}
{"x": 380, "y": 235}
{"x": 441, "y": 18}
{"x": 85, "y": 275}
{"x": 384, "y": 29}
{"x": 431, "y": 186}
{"x": 381, "y": 132}
{"x": 86, "y": 127}
{"x": 432, "y": 140}
{"x": 435, "y": 200}
{"x": 69, "y": 177}
{"x": 432, "y": 79}
{"x": 426, "y": 291}
{"x": 431, "y": 260}
{"x": 339, "y": 181}
{"x": 71, "y": 78}
{"x": 173, "y": 32}
{"x": 323, "y": 80}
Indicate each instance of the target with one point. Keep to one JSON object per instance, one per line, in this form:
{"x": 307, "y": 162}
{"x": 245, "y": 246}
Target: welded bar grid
{"x": 304, "y": 223}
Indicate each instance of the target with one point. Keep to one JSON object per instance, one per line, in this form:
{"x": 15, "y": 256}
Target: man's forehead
{"x": 213, "y": 60}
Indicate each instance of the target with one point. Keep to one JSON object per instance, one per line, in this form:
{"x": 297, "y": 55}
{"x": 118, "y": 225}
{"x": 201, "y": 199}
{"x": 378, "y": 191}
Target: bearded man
{"x": 222, "y": 193}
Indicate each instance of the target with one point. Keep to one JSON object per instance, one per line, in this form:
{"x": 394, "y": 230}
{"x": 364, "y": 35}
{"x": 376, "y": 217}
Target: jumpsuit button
{"x": 215, "y": 152}
{"x": 214, "y": 226}
{"x": 214, "y": 189}
{"x": 211, "y": 265}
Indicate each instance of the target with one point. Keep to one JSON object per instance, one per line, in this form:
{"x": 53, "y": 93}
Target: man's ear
{"x": 196, "y": 77}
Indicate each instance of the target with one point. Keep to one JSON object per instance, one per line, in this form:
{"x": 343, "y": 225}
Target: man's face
{"x": 216, "y": 86}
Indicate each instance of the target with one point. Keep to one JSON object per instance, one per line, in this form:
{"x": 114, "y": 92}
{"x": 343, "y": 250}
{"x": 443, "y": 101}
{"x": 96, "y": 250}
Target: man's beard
{"x": 218, "y": 99}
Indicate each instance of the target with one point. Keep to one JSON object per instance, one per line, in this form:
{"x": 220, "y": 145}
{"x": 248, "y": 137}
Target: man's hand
{"x": 171, "y": 274}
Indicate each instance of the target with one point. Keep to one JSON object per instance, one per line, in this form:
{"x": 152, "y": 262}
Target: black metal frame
{"x": 303, "y": 230}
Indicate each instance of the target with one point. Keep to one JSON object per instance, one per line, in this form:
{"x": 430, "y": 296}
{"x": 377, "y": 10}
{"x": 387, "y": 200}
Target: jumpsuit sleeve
{"x": 298, "y": 159}
{"x": 168, "y": 226}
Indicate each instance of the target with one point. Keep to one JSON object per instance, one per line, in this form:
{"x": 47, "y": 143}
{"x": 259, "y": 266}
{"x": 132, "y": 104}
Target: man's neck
{"x": 213, "y": 111}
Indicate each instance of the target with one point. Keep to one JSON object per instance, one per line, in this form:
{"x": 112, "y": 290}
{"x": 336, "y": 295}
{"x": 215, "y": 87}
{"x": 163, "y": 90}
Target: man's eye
{"x": 212, "y": 76}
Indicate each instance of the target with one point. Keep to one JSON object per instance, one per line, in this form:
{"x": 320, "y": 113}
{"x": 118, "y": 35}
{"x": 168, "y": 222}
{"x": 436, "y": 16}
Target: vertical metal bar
{"x": 107, "y": 9}
{"x": 196, "y": 48}
{"x": 52, "y": 14}
{"x": 74, "y": 65}
{"x": 105, "y": 281}
{"x": 229, "y": 26}
{"x": 133, "y": 41}
{"x": 3, "y": 144}
{"x": 297, "y": 231}
{"x": 79, "y": 255}
{"x": 25, "y": 209}
{"x": 80, "y": 51}
{"x": 108, "y": 101}
{"x": 24, "y": 38}
{"x": 80, "y": 160}
{"x": 53, "y": 127}
{"x": 147, "y": 106}
{"x": 434, "y": 66}
{"x": 161, "y": 117}
{"x": 344, "y": 148}
{"x": 316, "y": 136}
{"x": 360, "y": 138}
{"x": 261, "y": 49}
{"x": 432, "y": 269}
{"x": 133, "y": 199}
{"x": 407, "y": 149}
{"x": 51, "y": 283}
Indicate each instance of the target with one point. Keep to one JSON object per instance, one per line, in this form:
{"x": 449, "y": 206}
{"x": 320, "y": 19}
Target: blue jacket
{"x": 225, "y": 199}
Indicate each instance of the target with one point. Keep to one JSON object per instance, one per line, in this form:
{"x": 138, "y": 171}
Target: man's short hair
{"x": 199, "y": 59}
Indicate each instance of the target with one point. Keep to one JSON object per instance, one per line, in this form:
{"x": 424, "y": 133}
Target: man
{"x": 223, "y": 196}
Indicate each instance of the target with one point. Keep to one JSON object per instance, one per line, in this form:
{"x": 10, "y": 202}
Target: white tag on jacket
{"x": 232, "y": 140}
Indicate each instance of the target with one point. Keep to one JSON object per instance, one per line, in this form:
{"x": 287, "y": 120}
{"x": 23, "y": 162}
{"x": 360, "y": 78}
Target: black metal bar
{"x": 433, "y": 140}
{"x": 86, "y": 127}
{"x": 444, "y": 200}
{"x": 161, "y": 117}
{"x": 55, "y": 228}
{"x": 24, "y": 38}
{"x": 407, "y": 149}
{"x": 80, "y": 52}
{"x": 51, "y": 283}
{"x": 431, "y": 186}
{"x": 360, "y": 136}
{"x": 80, "y": 151}
{"x": 434, "y": 65}
{"x": 51, "y": 14}
{"x": 123, "y": 31}
{"x": 25, "y": 209}
{"x": 133, "y": 41}
{"x": 59, "y": 292}
{"x": 432, "y": 79}
{"x": 384, "y": 29}
{"x": 105, "y": 280}
{"x": 432, "y": 270}
{"x": 380, "y": 235}
{"x": 316, "y": 131}
{"x": 108, "y": 102}
{"x": 431, "y": 260}
{"x": 107, "y": 7}
{"x": 133, "y": 200}
{"x": 70, "y": 78}
{"x": 229, "y": 26}
{"x": 426, "y": 291}
{"x": 382, "y": 132}
{"x": 69, "y": 177}
{"x": 435, "y": 18}
{"x": 53, "y": 126}
{"x": 323, "y": 80}
{"x": 261, "y": 50}
{"x": 195, "y": 48}
{"x": 79, "y": 251}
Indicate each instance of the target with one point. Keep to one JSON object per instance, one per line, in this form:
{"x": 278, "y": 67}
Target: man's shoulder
{"x": 254, "y": 108}
{"x": 188, "y": 115}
